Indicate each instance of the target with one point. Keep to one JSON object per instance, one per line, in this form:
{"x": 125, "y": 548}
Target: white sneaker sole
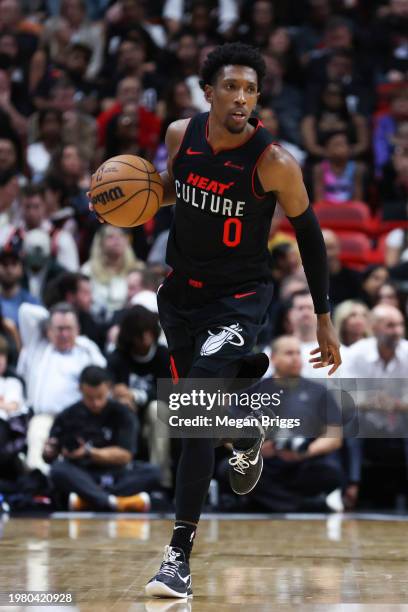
{"x": 159, "y": 589}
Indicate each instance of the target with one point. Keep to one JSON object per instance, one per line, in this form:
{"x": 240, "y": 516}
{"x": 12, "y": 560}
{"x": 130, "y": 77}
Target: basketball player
{"x": 226, "y": 174}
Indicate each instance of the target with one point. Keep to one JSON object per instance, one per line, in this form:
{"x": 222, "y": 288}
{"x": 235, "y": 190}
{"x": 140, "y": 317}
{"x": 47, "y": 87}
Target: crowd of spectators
{"x": 81, "y": 347}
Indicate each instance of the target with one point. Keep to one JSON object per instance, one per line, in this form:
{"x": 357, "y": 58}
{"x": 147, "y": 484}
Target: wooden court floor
{"x": 321, "y": 564}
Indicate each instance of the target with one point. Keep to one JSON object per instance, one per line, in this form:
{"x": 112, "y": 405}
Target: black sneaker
{"x": 245, "y": 466}
{"x": 173, "y": 578}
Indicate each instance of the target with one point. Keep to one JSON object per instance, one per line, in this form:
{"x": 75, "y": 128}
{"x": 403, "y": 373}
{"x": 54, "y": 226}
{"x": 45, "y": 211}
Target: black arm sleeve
{"x": 314, "y": 258}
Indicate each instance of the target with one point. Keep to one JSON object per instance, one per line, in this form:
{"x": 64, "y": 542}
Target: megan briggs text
{"x": 228, "y": 421}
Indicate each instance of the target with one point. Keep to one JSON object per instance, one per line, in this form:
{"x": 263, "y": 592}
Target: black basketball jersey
{"x": 221, "y": 222}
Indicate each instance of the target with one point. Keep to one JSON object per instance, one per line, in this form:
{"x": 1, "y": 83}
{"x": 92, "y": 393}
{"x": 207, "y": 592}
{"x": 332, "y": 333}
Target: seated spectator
{"x": 271, "y": 122}
{"x": 94, "y": 440}
{"x": 280, "y": 45}
{"x": 128, "y": 19}
{"x": 199, "y": 18}
{"x": 344, "y": 282}
{"x": 177, "y": 103}
{"x": 341, "y": 66}
{"x": 388, "y": 294}
{"x": 26, "y": 30}
{"x": 129, "y": 91}
{"x": 373, "y": 278}
{"x": 285, "y": 99}
{"x": 257, "y": 24}
{"x": 303, "y": 323}
{"x": 12, "y": 408}
{"x": 39, "y": 153}
{"x": 51, "y": 361}
{"x": 387, "y": 127}
{"x": 136, "y": 366}
{"x": 122, "y": 134}
{"x": 9, "y": 156}
{"x": 111, "y": 259}
{"x": 338, "y": 178}
{"x": 383, "y": 356}
{"x": 72, "y": 26}
{"x": 393, "y": 187}
{"x": 12, "y": 293}
{"x": 285, "y": 261}
{"x": 34, "y": 216}
{"x": 351, "y": 321}
{"x": 74, "y": 288}
{"x": 388, "y": 38}
{"x": 331, "y": 114}
{"x": 310, "y": 34}
{"x": 71, "y": 168}
{"x": 40, "y": 266}
{"x": 133, "y": 61}
{"x": 75, "y": 66}
{"x": 307, "y": 478}
{"x": 79, "y": 128}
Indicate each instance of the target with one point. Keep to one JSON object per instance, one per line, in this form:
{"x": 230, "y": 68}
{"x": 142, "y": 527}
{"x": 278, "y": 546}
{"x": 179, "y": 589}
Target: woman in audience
{"x": 388, "y": 294}
{"x": 111, "y": 260}
{"x": 39, "y": 153}
{"x": 331, "y": 114}
{"x": 373, "y": 278}
{"x": 351, "y": 320}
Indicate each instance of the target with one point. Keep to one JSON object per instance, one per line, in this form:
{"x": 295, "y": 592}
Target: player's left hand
{"x": 329, "y": 346}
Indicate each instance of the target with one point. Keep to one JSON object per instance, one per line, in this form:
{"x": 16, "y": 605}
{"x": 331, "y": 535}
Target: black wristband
{"x": 314, "y": 257}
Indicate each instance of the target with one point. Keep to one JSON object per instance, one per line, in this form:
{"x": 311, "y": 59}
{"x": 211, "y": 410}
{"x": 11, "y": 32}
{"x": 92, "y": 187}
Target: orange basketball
{"x": 126, "y": 191}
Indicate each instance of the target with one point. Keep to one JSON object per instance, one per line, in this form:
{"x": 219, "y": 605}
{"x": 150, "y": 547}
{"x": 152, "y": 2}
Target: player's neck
{"x": 220, "y": 138}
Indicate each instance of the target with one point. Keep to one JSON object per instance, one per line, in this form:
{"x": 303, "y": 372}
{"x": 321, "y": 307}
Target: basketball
{"x": 126, "y": 191}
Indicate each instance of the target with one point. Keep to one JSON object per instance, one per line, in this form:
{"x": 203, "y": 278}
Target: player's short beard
{"x": 235, "y": 129}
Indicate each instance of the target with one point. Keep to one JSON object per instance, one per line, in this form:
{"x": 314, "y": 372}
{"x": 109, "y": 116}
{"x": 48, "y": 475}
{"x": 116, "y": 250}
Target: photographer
{"x": 95, "y": 441}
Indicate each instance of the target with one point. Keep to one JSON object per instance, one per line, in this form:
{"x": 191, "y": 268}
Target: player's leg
{"x": 194, "y": 472}
{"x": 226, "y": 347}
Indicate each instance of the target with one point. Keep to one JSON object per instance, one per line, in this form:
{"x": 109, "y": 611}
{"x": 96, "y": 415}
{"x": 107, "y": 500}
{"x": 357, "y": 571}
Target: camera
{"x": 297, "y": 444}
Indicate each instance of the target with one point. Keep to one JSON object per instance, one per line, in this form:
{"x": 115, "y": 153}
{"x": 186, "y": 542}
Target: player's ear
{"x": 208, "y": 92}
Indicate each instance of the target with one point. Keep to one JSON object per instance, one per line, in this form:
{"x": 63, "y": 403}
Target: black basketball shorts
{"x": 213, "y": 329}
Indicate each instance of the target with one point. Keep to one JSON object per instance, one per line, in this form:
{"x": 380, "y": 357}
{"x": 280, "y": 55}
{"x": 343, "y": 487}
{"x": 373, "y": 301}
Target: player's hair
{"x": 135, "y": 323}
{"x": 235, "y": 54}
{"x": 94, "y": 376}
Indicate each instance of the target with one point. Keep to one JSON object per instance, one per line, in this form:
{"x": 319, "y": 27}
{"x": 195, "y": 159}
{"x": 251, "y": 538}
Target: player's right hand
{"x": 92, "y": 209}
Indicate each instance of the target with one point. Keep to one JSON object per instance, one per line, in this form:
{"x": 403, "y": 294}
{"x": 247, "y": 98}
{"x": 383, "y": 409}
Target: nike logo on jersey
{"x": 228, "y": 335}
{"x": 190, "y": 151}
{"x": 229, "y": 164}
